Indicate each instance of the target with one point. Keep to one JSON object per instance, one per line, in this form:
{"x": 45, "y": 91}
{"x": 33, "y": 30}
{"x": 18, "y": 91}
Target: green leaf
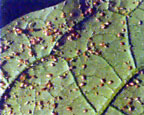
{"x": 73, "y": 60}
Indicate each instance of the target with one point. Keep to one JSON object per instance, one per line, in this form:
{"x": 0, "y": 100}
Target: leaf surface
{"x": 73, "y": 60}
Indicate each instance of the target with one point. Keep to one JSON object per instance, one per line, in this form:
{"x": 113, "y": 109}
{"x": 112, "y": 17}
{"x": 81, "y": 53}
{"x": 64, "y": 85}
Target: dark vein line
{"x": 35, "y": 101}
{"x": 119, "y": 109}
{"x": 121, "y": 89}
{"x": 136, "y": 7}
{"x": 75, "y": 79}
{"x": 112, "y": 68}
{"x": 130, "y": 41}
{"x": 141, "y": 9}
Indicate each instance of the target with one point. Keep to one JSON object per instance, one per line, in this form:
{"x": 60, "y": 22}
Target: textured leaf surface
{"x": 73, "y": 60}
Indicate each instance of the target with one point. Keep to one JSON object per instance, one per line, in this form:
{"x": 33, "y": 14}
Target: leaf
{"x": 70, "y": 59}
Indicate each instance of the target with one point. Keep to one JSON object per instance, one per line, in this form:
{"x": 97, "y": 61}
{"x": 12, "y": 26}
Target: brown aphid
{"x": 31, "y": 53}
{"x": 54, "y": 113}
{"x": 53, "y": 64}
{"x": 21, "y": 61}
{"x": 49, "y": 85}
{"x": 84, "y": 66}
{"x": 103, "y": 80}
{"x": 130, "y": 102}
{"x": 131, "y": 109}
{"x": 124, "y": 108}
{"x": 69, "y": 38}
{"x": 55, "y": 105}
{"x": 16, "y": 54}
{"x": 101, "y": 85}
{"x": 26, "y": 61}
{"x": 78, "y": 52}
{"x": 123, "y": 30}
{"x": 82, "y": 84}
{"x": 30, "y": 111}
{"x": 71, "y": 29}
{"x": 103, "y": 45}
{"x": 23, "y": 77}
{"x": 18, "y": 30}
{"x": 107, "y": 23}
{"x": 131, "y": 84}
{"x": 49, "y": 75}
{"x": 37, "y": 93}
{"x": 71, "y": 14}
{"x": 95, "y": 3}
{"x": 26, "y": 84}
{"x": 130, "y": 67}
{"x": 140, "y": 22}
{"x": 2, "y": 84}
{"x": 137, "y": 86}
{"x": 44, "y": 89}
{"x": 85, "y": 110}
{"x": 103, "y": 26}
{"x": 69, "y": 109}
{"x": 97, "y": 52}
{"x": 97, "y": 20}
{"x": 102, "y": 14}
{"x": 123, "y": 22}
{"x": 5, "y": 48}
{"x": 83, "y": 77}
{"x": 110, "y": 82}
{"x": 122, "y": 43}
{"x": 90, "y": 10}
{"x": 119, "y": 35}
{"x": 33, "y": 41}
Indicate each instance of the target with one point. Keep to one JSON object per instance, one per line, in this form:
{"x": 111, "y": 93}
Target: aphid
{"x": 21, "y": 61}
{"x": 31, "y": 53}
{"x": 54, "y": 113}
{"x": 85, "y": 110}
{"x": 97, "y": 20}
{"x": 69, "y": 109}
{"x": 102, "y": 14}
{"x": 101, "y": 85}
{"x": 131, "y": 84}
{"x": 55, "y": 105}
{"x": 49, "y": 75}
{"x": 83, "y": 77}
{"x": 23, "y": 77}
{"x": 69, "y": 38}
{"x": 53, "y": 64}
{"x": 130, "y": 67}
{"x": 123, "y": 22}
{"x": 119, "y": 35}
{"x": 78, "y": 52}
{"x": 140, "y": 22}
{"x": 63, "y": 15}
{"x": 103, "y": 45}
{"x": 30, "y": 111}
{"x": 122, "y": 43}
{"x": 84, "y": 66}
{"x": 71, "y": 14}
{"x": 2, "y": 84}
{"x": 103, "y": 80}
{"x": 18, "y": 30}
{"x": 96, "y": 3}
{"x": 103, "y": 26}
{"x": 110, "y": 82}
{"x": 82, "y": 84}
{"x": 49, "y": 85}
{"x": 90, "y": 10}
{"x": 123, "y": 30}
